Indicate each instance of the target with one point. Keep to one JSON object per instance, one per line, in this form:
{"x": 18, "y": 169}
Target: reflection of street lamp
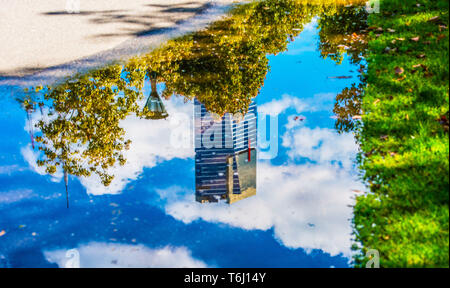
{"x": 154, "y": 104}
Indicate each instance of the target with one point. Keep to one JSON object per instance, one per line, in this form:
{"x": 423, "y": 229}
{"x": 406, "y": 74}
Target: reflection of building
{"x": 225, "y": 155}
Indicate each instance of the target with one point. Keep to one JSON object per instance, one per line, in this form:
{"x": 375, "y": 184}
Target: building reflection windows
{"x": 225, "y": 155}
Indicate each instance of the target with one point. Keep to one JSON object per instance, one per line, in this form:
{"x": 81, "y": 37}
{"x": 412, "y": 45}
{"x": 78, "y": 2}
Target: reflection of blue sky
{"x": 298, "y": 218}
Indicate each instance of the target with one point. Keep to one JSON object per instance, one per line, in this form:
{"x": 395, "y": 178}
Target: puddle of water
{"x": 196, "y": 178}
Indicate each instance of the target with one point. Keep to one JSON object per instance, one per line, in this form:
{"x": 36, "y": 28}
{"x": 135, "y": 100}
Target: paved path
{"x": 37, "y": 34}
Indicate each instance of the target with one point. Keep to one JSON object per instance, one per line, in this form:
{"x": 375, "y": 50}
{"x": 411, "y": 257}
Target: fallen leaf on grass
{"x": 424, "y": 67}
{"x": 390, "y": 50}
{"x": 415, "y": 39}
{"x": 376, "y": 101}
{"x": 384, "y": 137}
{"x": 440, "y": 37}
{"x": 442, "y": 27}
{"x": 390, "y": 30}
{"x": 420, "y": 56}
{"x": 399, "y": 70}
{"x": 434, "y": 19}
{"x": 443, "y": 120}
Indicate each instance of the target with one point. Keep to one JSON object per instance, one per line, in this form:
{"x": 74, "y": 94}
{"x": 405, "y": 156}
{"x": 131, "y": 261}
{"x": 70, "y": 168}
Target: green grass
{"x": 404, "y": 137}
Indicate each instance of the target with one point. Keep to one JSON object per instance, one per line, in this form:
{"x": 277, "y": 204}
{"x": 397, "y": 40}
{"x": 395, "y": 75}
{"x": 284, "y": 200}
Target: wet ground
{"x": 279, "y": 80}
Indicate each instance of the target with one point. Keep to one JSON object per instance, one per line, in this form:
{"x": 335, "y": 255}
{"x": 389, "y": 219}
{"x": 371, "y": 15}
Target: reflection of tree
{"x": 81, "y": 133}
{"x": 344, "y": 32}
{"x": 347, "y": 107}
{"x": 224, "y": 66}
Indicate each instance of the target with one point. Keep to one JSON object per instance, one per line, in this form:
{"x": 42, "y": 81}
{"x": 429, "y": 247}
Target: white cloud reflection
{"x": 307, "y": 204}
{"x": 318, "y": 102}
{"x": 108, "y": 255}
{"x": 321, "y": 145}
